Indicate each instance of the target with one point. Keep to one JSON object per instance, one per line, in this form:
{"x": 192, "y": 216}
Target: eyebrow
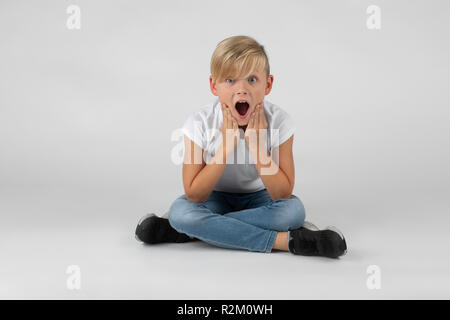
{"x": 252, "y": 75}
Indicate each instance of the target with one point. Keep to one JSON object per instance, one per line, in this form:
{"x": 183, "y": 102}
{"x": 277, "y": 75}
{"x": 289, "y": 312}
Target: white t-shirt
{"x": 240, "y": 175}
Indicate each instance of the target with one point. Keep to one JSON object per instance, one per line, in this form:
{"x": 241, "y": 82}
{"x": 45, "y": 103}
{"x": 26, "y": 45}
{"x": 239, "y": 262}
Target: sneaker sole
{"x": 308, "y": 225}
{"x": 165, "y": 215}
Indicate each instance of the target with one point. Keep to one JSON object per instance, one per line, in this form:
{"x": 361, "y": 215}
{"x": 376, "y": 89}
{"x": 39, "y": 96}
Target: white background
{"x": 86, "y": 118}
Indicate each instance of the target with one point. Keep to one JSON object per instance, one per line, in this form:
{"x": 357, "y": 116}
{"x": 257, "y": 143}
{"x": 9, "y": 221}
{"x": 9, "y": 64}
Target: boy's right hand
{"x": 229, "y": 143}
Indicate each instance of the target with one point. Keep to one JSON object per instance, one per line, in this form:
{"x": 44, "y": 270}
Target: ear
{"x": 212, "y": 85}
{"x": 269, "y": 84}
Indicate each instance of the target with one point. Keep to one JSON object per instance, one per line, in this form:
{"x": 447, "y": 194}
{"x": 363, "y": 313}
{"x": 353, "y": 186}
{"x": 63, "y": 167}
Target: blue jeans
{"x": 237, "y": 220}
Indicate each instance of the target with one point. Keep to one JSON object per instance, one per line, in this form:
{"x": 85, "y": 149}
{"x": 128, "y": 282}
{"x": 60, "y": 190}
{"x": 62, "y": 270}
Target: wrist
{"x": 260, "y": 142}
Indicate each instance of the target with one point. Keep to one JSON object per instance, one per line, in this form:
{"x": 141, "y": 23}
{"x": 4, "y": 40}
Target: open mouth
{"x": 242, "y": 108}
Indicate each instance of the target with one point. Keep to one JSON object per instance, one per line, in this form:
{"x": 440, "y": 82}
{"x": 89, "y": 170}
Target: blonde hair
{"x": 236, "y": 55}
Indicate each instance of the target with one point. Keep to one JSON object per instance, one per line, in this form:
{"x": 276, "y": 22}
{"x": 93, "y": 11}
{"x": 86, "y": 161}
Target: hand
{"x": 229, "y": 124}
{"x": 256, "y": 128}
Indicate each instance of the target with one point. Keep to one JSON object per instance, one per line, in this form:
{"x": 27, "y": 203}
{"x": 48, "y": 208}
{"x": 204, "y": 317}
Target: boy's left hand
{"x": 257, "y": 121}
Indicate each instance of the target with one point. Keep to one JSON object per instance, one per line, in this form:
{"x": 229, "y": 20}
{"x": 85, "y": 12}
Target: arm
{"x": 199, "y": 179}
{"x": 278, "y": 179}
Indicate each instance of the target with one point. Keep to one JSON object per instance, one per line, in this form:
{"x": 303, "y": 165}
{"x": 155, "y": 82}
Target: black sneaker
{"x": 310, "y": 241}
{"x": 152, "y": 229}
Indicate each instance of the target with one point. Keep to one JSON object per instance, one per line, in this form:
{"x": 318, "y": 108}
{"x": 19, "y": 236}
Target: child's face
{"x": 252, "y": 90}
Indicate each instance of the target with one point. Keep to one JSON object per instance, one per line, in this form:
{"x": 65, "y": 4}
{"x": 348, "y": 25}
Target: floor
{"x": 113, "y": 265}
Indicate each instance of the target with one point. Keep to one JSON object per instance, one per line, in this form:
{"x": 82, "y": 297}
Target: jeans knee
{"x": 299, "y": 213}
{"x": 176, "y": 216}
{"x": 292, "y": 215}
{"x": 181, "y": 216}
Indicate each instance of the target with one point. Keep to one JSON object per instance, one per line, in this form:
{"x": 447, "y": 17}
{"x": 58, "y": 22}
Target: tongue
{"x": 242, "y": 107}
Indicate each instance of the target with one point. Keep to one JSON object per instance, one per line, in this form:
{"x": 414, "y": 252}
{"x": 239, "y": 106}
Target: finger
{"x": 251, "y": 122}
{"x": 257, "y": 117}
{"x": 224, "y": 114}
{"x": 231, "y": 118}
{"x": 261, "y": 115}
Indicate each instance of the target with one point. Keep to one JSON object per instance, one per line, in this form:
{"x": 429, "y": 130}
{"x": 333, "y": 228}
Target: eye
{"x": 252, "y": 78}
{"x": 226, "y": 80}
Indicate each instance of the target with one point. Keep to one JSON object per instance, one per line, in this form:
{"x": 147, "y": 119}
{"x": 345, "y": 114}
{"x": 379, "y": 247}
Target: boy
{"x": 249, "y": 204}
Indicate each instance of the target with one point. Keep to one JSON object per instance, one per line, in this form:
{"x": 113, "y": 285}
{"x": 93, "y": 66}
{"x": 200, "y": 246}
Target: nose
{"x": 241, "y": 88}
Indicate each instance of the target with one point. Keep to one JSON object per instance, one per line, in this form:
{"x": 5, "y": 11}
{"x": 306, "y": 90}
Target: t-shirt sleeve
{"x": 193, "y": 128}
{"x": 286, "y": 128}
